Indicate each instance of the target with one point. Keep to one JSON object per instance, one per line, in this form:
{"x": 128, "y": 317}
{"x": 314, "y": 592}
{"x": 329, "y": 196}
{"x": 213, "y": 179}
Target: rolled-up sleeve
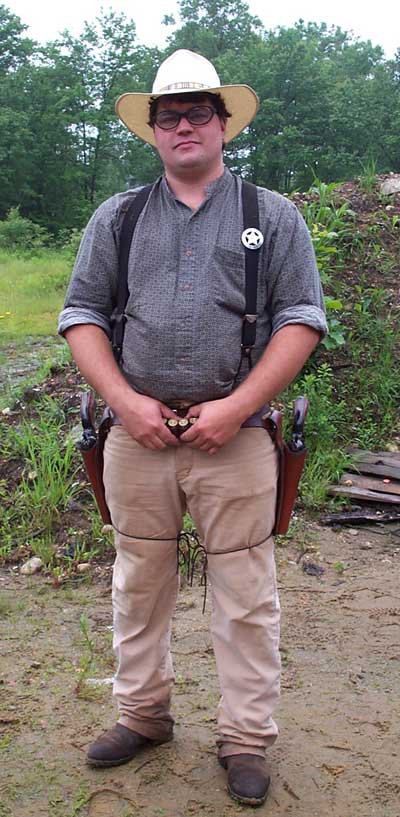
{"x": 91, "y": 295}
{"x": 293, "y": 282}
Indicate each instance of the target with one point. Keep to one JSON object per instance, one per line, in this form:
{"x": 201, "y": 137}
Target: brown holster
{"x": 291, "y": 456}
{"x": 91, "y": 446}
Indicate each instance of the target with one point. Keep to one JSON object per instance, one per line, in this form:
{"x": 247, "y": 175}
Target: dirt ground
{"x": 338, "y": 750}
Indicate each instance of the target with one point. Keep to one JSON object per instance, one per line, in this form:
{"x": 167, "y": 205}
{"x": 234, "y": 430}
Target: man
{"x": 182, "y": 350}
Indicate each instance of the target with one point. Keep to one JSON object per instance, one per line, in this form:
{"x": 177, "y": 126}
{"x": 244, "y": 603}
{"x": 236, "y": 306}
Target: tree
{"x": 14, "y": 48}
{"x": 95, "y": 68}
{"x": 329, "y": 103}
{"x": 213, "y": 27}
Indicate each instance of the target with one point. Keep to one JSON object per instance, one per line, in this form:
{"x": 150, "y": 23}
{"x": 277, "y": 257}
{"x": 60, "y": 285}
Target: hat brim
{"x": 240, "y": 100}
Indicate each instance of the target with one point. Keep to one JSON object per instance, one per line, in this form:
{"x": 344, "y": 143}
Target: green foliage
{"x": 48, "y": 459}
{"x": 337, "y": 336}
{"x": 69, "y": 241}
{"x": 368, "y": 176}
{"x": 375, "y": 379}
{"x": 331, "y": 227}
{"x": 48, "y": 482}
{"x": 14, "y": 47}
{"x": 325, "y": 432}
{"x": 214, "y": 27}
{"x": 20, "y": 235}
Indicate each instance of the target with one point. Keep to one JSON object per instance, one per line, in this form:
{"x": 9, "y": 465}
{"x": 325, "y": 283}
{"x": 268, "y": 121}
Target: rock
{"x": 313, "y": 569}
{"x": 73, "y": 505}
{"x": 353, "y": 531}
{"x": 391, "y": 185}
{"x": 84, "y": 567}
{"x": 33, "y": 565}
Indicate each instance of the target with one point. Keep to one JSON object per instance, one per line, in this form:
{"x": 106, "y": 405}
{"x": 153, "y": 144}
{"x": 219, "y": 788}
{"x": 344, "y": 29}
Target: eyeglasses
{"x": 199, "y": 115}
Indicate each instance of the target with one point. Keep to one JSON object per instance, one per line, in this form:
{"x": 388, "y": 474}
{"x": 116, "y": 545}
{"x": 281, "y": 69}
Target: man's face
{"x": 189, "y": 147}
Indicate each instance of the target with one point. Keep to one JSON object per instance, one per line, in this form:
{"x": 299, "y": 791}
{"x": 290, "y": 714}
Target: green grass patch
{"x": 48, "y": 482}
{"x": 32, "y": 292}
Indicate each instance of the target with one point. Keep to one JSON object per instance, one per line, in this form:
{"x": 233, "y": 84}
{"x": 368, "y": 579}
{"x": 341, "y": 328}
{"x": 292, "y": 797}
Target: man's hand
{"x": 143, "y": 420}
{"x": 218, "y": 422}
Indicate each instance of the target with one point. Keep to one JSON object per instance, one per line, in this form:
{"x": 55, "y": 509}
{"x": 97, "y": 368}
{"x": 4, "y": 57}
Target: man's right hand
{"x": 141, "y": 416}
{"x": 143, "y": 420}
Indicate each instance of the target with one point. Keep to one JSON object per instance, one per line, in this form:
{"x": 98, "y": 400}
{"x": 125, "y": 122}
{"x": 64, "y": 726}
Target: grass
{"x": 48, "y": 481}
{"x": 32, "y": 292}
{"x": 87, "y": 660}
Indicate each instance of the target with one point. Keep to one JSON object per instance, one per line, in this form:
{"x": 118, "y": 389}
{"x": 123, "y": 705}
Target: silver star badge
{"x": 252, "y": 238}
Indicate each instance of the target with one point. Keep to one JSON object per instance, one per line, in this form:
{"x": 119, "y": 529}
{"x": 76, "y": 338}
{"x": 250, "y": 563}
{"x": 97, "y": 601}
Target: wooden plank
{"x": 371, "y": 484}
{"x": 379, "y": 470}
{"x": 363, "y": 494}
{"x": 391, "y": 459}
{"x": 360, "y": 517}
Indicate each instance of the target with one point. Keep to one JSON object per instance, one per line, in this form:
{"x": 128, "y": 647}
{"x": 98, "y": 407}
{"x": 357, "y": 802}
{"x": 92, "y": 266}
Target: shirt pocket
{"x": 228, "y": 279}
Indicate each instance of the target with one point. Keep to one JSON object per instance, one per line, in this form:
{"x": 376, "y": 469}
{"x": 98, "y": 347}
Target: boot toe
{"x": 248, "y": 780}
{"x": 117, "y": 746}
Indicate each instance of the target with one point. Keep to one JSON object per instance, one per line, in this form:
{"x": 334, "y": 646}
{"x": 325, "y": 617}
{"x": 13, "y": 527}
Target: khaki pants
{"x": 231, "y": 498}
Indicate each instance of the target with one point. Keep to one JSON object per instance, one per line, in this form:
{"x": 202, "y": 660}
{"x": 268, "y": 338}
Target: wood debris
{"x": 374, "y": 477}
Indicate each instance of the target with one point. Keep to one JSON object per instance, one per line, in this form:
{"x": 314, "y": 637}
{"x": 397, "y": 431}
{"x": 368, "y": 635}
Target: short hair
{"x": 197, "y": 97}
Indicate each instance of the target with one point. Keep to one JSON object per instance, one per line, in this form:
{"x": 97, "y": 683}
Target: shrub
{"x": 20, "y": 235}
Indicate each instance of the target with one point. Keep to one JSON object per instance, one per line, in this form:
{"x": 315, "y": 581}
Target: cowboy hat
{"x": 181, "y": 73}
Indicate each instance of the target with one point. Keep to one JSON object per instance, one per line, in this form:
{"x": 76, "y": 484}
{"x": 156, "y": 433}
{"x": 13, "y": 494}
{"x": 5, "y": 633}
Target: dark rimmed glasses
{"x": 198, "y": 115}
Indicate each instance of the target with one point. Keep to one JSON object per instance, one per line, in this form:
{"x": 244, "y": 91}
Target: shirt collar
{"x": 220, "y": 184}
{"x": 217, "y": 186}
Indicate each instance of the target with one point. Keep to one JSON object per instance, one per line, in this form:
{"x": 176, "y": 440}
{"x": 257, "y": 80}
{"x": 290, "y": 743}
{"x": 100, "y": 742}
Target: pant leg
{"x": 231, "y": 497}
{"x": 146, "y": 508}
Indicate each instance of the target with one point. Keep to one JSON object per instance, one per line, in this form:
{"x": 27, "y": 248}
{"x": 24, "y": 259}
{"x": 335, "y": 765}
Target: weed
{"x": 339, "y": 567}
{"x": 48, "y": 482}
{"x": 336, "y": 336}
{"x": 79, "y": 554}
{"x": 81, "y": 799}
{"x": 376, "y": 377}
{"x": 331, "y": 219}
{"x": 6, "y": 606}
{"x": 368, "y": 177}
{"x": 87, "y": 660}
{"x": 43, "y": 548}
{"x": 326, "y": 457}
{"x": 5, "y": 741}
{"x": 300, "y": 534}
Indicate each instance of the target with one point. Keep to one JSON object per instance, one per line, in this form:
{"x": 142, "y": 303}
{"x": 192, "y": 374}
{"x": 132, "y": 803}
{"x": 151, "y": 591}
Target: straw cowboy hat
{"x": 181, "y": 73}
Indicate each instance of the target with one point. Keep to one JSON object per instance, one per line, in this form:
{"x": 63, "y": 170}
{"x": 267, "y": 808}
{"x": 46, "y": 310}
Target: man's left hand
{"x": 217, "y": 423}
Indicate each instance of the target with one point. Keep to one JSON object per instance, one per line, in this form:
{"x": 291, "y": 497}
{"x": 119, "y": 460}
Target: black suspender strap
{"x": 252, "y": 241}
{"x": 128, "y": 226}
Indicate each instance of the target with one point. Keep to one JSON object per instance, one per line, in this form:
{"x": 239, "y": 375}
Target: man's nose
{"x": 183, "y": 125}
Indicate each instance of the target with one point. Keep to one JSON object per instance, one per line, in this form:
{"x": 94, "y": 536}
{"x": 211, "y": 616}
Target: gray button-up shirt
{"x": 186, "y": 281}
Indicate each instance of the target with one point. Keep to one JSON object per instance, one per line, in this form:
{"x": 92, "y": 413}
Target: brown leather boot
{"x": 117, "y": 746}
{"x": 248, "y": 780}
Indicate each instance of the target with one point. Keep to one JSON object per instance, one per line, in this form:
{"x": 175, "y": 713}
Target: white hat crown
{"x": 185, "y": 71}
